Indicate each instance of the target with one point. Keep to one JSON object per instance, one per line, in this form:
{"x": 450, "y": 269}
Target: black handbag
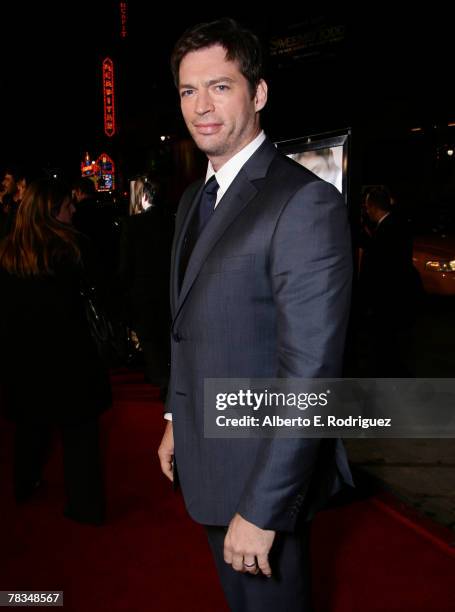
{"x": 109, "y": 335}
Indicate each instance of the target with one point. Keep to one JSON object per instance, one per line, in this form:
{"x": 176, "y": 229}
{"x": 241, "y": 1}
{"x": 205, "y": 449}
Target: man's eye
{"x": 222, "y": 87}
{"x": 186, "y": 92}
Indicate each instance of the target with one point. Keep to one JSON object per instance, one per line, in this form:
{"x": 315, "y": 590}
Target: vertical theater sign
{"x": 123, "y": 19}
{"x": 103, "y": 171}
{"x": 109, "y": 97}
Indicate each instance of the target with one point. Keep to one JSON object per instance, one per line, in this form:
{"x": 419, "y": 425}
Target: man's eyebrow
{"x": 222, "y": 79}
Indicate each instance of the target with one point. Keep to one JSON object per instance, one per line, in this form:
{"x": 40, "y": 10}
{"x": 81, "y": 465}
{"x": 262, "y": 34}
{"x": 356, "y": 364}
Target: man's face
{"x": 9, "y": 184}
{"x": 216, "y": 103}
{"x": 370, "y": 210}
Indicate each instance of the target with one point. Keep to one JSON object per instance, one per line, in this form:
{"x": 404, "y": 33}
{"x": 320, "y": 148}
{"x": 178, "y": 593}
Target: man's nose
{"x": 204, "y": 103}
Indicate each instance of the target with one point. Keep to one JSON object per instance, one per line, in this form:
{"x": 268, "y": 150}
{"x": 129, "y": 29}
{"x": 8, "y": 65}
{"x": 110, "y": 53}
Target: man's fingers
{"x": 168, "y": 471}
{"x": 166, "y": 452}
{"x": 264, "y": 566}
{"x": 166, "y": 466}
{"x": 237, "y": 562}
{"x": 227, "y": 553}
{"x": 246, "y": 547}
{"x": 250, "y": 565}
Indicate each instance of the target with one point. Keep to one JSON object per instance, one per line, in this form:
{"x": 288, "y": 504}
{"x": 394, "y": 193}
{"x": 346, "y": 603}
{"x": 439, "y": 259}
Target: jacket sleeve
{"x": 311, "y": 274}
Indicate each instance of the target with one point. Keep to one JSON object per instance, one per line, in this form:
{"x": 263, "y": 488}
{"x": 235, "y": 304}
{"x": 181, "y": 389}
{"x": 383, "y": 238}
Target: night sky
{"x": 388, "y": 73}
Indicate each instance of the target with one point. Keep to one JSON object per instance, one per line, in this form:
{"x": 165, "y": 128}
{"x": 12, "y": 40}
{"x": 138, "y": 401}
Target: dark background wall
{"x": 378, "y": 74}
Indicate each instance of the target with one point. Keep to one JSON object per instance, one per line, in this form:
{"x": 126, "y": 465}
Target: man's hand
{"x": 166, "y": 451}
{"x": 247, "y": 547}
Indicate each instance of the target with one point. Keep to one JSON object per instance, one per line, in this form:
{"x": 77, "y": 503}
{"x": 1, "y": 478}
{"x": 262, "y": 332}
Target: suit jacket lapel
{"x": 187, "y": 206}
{"x": 228, "y": 208}
{"x": 240, "y": 193}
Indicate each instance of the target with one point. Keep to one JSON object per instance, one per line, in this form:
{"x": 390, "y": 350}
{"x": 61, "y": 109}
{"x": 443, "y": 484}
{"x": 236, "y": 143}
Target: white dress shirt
{"x": 382, "y": 219}
{"x": 228, "y": 171}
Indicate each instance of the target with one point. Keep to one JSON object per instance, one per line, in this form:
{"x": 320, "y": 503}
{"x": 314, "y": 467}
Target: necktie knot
{"x": 211, "y": 187}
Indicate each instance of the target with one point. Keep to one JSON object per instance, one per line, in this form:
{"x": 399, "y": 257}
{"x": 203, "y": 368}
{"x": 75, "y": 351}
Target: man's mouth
{"x": 208, "y": 128}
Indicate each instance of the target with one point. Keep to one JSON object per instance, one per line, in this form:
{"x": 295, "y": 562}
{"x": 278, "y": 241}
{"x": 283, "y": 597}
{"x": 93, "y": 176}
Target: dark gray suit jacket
{"x": 266, "y": 294}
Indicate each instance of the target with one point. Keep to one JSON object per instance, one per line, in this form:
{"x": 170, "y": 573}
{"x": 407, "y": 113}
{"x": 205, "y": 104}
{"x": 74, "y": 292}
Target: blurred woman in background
{"x": 145, "y": 254}
{"x": 50, "y": 370}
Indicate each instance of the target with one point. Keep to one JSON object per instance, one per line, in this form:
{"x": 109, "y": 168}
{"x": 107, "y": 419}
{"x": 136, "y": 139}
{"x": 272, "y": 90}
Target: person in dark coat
{"x": 389, "y": 285}
{"x": 50, "y": 371}
{"x": 94, "y": 220}
{"x": 145, "y": 250}
{"x": 86, "y": 216}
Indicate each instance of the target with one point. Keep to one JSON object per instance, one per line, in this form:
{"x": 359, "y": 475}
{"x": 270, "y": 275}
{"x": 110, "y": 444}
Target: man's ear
{"x": 260, "y": 98}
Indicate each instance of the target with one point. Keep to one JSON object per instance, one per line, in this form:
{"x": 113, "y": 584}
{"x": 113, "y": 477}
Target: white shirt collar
{"x": 382, "y": 218}
{"x": 228, "y": 171}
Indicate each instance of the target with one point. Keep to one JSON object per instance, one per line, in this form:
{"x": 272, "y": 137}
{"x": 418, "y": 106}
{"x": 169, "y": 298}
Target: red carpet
{"x": 369, "y": 556}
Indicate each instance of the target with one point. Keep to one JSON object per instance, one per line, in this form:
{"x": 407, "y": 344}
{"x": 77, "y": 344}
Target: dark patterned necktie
{"x": 207, "y": 203}
{"x": 202, "y": 214}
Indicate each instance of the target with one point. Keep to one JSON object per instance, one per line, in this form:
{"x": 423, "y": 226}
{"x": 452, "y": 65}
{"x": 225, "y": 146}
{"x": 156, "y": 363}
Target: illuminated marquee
{"x": 109, "y": 97}
{"x": 106, "y": 173}
{"x": 101, "y": 171}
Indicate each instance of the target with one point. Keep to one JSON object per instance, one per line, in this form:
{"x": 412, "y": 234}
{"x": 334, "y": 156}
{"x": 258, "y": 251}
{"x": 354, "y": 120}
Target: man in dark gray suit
{"x": 260, "y": 288}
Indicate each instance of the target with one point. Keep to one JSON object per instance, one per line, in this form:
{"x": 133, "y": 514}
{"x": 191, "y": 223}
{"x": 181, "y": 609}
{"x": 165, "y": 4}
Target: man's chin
{"x": 208, "y": 145}
{"x": 210, "y": 151}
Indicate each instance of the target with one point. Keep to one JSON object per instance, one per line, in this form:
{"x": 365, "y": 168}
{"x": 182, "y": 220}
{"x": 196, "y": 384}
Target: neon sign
{"x": 109, "y": 97}
{"x": 106, "y": 173}
{"x": 88, "y": 167}
{"x": 123, "y": 20}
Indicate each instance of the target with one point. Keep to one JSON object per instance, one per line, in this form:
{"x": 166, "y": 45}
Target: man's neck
{"x": 218, "y": 162}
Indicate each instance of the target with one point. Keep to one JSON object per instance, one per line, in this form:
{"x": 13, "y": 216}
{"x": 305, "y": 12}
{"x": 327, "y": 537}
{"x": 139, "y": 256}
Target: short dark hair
{"x": 379, "y": 196}
{"x": 13, "y": 170}
{"x": 241, "y": 45}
